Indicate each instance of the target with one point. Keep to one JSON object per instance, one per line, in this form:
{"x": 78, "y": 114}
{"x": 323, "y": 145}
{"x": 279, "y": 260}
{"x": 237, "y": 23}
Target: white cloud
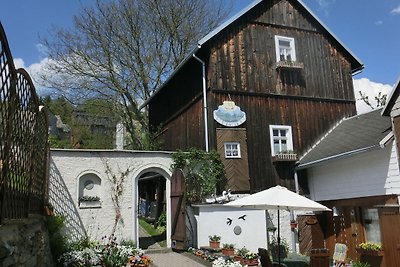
{"x": 395, "y": 11}
{"x": 371, "y": 89}
{"x": 43, "y": 50}
{"x": 34, "y": 71}
{"x": 378, "y": 22}
{"x": 325, "y": 4}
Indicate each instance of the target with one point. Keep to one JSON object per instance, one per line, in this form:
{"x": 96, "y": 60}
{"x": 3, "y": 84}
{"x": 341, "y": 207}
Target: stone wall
{"x": 25, "y": 243}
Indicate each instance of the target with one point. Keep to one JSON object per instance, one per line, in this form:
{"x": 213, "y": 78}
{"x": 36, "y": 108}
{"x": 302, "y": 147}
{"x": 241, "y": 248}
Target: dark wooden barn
{"x": 275, "y": 79}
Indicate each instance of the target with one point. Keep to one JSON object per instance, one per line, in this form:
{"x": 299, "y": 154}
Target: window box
{"x": 289, "y": 65}
{"x": 368, "y": 252}
{"x": 285, "y": 157}
{"x": 90, "y": 204}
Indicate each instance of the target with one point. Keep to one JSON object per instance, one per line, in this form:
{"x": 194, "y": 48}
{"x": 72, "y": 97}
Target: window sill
{"x": 289, "y": 65}
{"x": 89, "y": 204}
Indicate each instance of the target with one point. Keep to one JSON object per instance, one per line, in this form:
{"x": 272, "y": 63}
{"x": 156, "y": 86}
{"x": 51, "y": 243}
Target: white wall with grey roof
{"x": 371, "y": 173}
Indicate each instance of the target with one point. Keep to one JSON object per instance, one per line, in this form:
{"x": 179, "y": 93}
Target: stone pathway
{"x": 168, "y": 258}
{"x": 164, "y": 257}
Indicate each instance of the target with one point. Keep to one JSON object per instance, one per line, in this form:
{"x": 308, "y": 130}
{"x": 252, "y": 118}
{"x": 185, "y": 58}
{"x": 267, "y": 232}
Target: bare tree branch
{"x": 122, "y": 50}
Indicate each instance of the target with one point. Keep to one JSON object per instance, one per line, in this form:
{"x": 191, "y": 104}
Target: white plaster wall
{"x": 212, "y": 220}
{"x": 66, "y": 166}
{"x": 371, "y": 173}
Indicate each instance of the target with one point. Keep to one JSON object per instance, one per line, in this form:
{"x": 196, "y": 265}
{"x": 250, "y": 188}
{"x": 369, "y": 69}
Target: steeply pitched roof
{"x": 350, "y": 136}
{"x": 391, "y": 100}
{"x": 356, "y": 63}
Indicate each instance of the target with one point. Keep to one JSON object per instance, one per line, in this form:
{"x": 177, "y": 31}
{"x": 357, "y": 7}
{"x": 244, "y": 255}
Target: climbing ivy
{"x": 203, "y": 171}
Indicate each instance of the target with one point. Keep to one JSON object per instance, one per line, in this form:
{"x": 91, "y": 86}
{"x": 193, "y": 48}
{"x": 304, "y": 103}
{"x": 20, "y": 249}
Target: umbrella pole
{"x": 279, "y": 239}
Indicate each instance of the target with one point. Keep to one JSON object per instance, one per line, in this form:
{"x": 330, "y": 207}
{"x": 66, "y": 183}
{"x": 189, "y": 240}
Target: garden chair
{"x": 265, "y": 260}
{"x": 340, "y": 254}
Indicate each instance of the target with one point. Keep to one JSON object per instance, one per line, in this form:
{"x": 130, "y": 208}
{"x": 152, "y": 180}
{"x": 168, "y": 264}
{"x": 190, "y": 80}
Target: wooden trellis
{"x": 23, "y": 141}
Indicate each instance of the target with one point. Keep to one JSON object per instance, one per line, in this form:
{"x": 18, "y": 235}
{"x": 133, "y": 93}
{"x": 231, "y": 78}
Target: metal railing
{"x": 23, "y": 141}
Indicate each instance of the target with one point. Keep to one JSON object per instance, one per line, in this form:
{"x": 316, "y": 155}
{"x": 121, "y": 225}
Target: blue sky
{"x": 370, "y": 29}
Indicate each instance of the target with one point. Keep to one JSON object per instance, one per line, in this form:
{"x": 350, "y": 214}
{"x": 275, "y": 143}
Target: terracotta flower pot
{"x": 253, "y": 262}
{"x": 237, "y": 258}
{"x": 214, "y": 244}
{"x": 228, "y": 251}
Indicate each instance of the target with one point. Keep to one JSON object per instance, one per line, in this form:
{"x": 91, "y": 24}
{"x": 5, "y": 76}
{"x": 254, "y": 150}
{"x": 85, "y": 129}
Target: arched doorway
{"x": 152, "y": 203}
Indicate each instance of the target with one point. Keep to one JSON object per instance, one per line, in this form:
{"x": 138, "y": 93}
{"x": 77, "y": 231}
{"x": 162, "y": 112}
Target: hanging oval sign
{"x": 311, "y": 221}
{"x": 228, "y": 114}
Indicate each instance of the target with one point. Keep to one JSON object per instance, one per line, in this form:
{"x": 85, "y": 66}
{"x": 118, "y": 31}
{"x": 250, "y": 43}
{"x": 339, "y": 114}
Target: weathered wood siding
{"x": 240, "y": 63}
{"x": 308, "y": 118}
{"x": 186, "y": 129}
{"x": 243, "y": 59}
{"x": 182, "y": 91}
{"x": 236, "y": 169}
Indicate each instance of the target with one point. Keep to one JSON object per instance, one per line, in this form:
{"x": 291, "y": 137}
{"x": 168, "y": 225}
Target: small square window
{"x": 232, "y": 150}
{"x": 281, "y": 139}
{"x": 285, "y": 48}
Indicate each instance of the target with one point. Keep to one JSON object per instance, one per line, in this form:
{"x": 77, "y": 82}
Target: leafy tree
{"x": 122, "y": 50}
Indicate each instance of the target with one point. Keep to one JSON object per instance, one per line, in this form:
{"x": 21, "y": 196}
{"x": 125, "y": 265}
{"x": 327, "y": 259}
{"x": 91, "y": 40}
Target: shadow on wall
{"x": 63, "y": 204}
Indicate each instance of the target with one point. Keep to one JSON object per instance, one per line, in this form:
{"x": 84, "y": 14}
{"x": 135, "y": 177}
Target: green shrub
{"x": 58, "y": 241}
{"x": 361, "y": 264}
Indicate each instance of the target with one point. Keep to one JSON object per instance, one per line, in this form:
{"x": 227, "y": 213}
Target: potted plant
{"x": 370, "y": 248}
{"x": 250, "y": 259}
{"x": 140, "y": 260}
{"x": 371, "y": 253}
{"x": 361, "y": 264}
{"x": 240, "y": 254}
{"x": 228, "y": 249}
{"x": 214, "y": 241}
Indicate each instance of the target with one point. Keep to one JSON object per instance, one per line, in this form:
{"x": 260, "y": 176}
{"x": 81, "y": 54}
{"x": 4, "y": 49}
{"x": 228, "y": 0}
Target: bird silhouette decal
{"x": 243, "y": 217}
{"x": 228, "y": 221}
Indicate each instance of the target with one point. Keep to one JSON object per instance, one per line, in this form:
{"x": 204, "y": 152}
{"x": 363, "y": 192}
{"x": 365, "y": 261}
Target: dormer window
{"x": 285, "y": 49}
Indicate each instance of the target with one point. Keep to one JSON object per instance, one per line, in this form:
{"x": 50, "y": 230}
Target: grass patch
{"x": 149, "y": 228}
{"x": 158, "y": 236}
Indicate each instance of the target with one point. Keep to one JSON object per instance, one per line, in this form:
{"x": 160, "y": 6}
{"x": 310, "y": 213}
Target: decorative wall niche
{"x": 89, "y": 191}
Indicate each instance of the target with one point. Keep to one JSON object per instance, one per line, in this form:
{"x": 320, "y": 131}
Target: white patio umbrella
{"x": 277, "y": 198}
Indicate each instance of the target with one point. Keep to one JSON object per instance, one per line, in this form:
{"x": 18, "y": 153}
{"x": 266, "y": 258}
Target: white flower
{"x": 221, "y": 262}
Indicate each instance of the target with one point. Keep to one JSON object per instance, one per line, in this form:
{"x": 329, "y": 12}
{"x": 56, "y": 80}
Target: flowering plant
{"x": 89, "y": 198}
{"x": 85, "y": 257}
{"x": 251, "y": 256}
{"x": 221, "y": 262}
{"x": 202, "y": 254}
{"x": 139, "y": 260}
{"x": 242, "y": 252}
{"x": 371, "y": 246}
{"x": 214, "y": 238}
{"x": 228, "y": 246}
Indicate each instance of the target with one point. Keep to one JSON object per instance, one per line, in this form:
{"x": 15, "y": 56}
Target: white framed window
{"x": 281, "y": 139}
{"x": 285, "y": 48}
{"x": 232, "y": 150}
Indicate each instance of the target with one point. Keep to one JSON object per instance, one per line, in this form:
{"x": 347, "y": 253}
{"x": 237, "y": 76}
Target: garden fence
{"x": 23, "y": 142}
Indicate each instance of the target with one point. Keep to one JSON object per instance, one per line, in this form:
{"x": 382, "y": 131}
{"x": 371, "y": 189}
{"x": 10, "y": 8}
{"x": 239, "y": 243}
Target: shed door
{"x": 390, "y": 221}
{"x": 178, "y": 230}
